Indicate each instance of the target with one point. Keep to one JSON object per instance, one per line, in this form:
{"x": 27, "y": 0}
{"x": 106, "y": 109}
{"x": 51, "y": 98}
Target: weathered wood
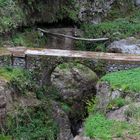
{"x": 83, "y": 54}
{"x": 4, "y": 52}
{"x": 17, "y": 51}
{"x": 23, "y": 52}
{"x": 74, "y": 38}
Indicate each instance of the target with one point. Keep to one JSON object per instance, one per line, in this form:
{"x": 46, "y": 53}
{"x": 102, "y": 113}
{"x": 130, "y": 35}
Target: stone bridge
{"x": 44, "y": 61}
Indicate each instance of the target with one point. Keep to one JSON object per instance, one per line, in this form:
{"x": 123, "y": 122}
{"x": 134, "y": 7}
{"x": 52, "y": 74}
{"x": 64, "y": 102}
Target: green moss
{"x": 98, "y": 127}
{"x": 127, "y": 80}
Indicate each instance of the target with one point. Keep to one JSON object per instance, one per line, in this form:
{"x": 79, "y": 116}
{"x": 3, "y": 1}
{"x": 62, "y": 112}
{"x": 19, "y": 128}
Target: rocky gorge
{"x": 57, "y": 98}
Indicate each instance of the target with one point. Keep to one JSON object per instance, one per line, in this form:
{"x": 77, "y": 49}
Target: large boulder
{"x": 137, "y": 2}
{"x": 76, "y": 84}
{"x": 75, "y": 81}
{"x": 63, "y": 122}
{"x": 126, "y": 113}
{"x": 130, "y": 45}
{"x": 105, "y": 95}
{"x": 111, "y": 99}
{"x": 93, "y": 11}
{"x": 9, "y": 101}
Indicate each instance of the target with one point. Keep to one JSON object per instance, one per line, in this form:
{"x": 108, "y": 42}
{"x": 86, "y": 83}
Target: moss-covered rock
{"x": 75, "y": 81}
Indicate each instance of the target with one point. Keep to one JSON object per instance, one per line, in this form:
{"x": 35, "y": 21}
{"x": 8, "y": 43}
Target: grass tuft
{"x": 99, "y": 127}
{"x": 127, "y": 80}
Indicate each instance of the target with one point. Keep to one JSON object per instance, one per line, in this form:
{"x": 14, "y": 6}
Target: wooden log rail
{"x": 23, "y": 52}
{"x": 72, "y": 37}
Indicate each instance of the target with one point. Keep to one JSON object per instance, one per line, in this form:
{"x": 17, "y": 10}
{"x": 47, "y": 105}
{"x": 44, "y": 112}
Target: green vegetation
{"x": 89, "y": 73}
{"x": 8, "y": 72}
{"x": 133, "y": 112}
{"x": 70, "y": 10}
{"x": 117, "y": 103}
{"x": 117, "y": 29}
{"x": 121, "y": 9}
{"x": 114, "y": 30}
{"x": 29, "y": 38}
{"x": 11, "y": 15}
{"x": 17, "y": 13}
{"x": 65, "y": 107}
{"x": 98, "y": 127}
{"x": 91, "y": 105}
{"x": 122, "y": 22}
{"x": 19, "y": 79}
{"x": 33, "y": 123}
{"x": 2, "y": 137}
{"x": 29, "y": 123}
{"x": 127, "y": 80}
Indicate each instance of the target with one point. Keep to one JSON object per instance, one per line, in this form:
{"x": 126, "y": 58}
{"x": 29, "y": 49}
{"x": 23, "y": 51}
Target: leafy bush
{"x": 29, "y": 38}
{"x": 20, "y": 79}
{"x": 11, "y": 15}
{"x": 33, "y": 124}
{"x": 127, "y": 80}
{"x": 22, "y": 83}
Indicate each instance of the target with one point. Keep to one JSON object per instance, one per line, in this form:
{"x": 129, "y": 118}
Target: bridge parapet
{"x": 44, "y": 61}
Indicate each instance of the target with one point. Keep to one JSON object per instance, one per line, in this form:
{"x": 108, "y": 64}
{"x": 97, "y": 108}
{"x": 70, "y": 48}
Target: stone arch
{"x": 48, "y": 64}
